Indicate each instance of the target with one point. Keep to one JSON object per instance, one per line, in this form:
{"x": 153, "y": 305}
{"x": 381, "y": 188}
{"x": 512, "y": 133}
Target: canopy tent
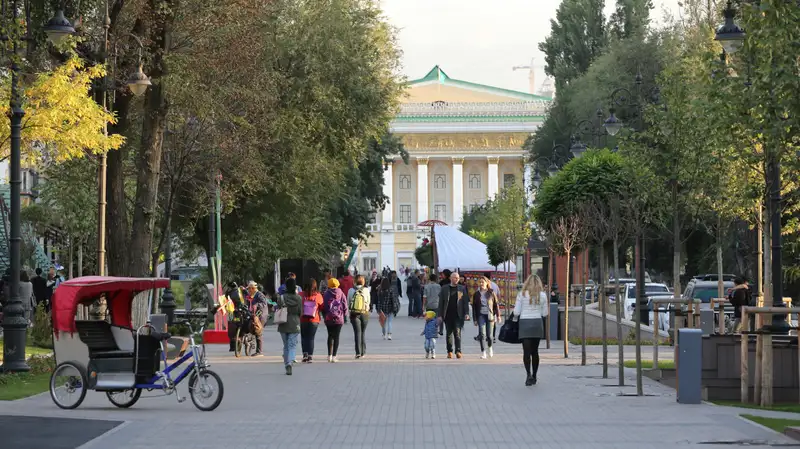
{"x": 456, "y": 250}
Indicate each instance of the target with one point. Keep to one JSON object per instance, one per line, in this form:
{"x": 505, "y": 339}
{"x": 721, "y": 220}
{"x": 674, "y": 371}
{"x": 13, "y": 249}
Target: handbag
{"x": 509, "y": 332}
{"x": 281, "y": 313}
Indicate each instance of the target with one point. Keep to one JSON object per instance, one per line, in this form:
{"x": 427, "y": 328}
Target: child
{"x": 430, "y": 334}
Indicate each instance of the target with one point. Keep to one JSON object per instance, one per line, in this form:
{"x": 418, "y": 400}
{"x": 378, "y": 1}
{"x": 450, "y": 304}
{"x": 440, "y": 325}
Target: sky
{"x": 480, "y": 40}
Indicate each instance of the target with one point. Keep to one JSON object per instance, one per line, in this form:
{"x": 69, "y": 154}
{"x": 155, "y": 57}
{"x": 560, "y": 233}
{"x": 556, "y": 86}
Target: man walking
{"x": 414, "y": 295}
{"x": 453, "y": 312}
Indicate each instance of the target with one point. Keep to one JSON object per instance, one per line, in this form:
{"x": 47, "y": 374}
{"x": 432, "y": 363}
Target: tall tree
{"x": 630, "y": 19}
{"x": 577, "y": 37}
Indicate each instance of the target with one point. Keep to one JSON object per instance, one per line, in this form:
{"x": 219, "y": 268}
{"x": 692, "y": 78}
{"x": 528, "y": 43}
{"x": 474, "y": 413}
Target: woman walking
{"x": 388, "y": 306}
{"x": 487, "y": 312}
{"x": 335, "y": 310}
{"x": 291, "y": 328}
{"x": 358, "y": 301}
{"x": 309, "y": 321}
{"x": 530, "y": 309}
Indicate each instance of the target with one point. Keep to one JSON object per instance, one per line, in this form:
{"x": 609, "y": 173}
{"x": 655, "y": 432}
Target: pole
{"x": 777, "y": 263}
{"x": 103, "y": 163}
{"x": 15, "y": 325}
{"x": 218, "y": 209}
{"x": 759, "y": 288}
{"x": 566, "y": 308}
{"x": 167, "y": 298}
{"x": 640, "y": 298}
{"x": 212, "y": 242}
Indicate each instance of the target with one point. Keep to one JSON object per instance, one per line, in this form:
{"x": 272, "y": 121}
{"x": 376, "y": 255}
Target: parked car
{"x": 650, "y": 289}
{"x": 705, "y": 290}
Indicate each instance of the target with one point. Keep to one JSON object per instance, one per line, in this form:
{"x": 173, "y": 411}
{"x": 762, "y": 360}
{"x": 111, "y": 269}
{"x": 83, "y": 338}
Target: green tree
{"x": 631, "y": 18}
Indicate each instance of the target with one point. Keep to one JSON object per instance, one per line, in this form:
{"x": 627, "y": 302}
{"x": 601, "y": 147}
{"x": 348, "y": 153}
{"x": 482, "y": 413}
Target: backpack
{"x": 359, "y": 304}
{"x": 335, "y": 310}
{"x": 310, "y": 307}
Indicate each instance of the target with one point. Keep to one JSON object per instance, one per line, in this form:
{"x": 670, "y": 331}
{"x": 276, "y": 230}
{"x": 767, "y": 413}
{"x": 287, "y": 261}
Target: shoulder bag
{"x": 281, "y": 313}
{"x": 509, "y": 333}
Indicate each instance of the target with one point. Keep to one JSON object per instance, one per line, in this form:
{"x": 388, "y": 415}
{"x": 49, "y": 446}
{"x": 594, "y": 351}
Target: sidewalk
{"x": 395, "y": 398}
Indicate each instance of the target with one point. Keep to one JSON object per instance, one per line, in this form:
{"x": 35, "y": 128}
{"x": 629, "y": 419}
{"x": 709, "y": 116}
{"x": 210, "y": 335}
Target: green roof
{"x": 471, "y": 118}
{"x": 438, "y": 75}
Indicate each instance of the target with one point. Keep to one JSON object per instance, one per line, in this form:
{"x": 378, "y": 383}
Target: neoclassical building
{"x": 465, "y": 144}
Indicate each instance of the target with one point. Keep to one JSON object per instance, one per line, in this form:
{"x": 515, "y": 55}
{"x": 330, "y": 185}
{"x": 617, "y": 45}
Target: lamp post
{"x": 589, "y": 127}
{"x": 15, "y": 325}
{"x": 137, "y": 82}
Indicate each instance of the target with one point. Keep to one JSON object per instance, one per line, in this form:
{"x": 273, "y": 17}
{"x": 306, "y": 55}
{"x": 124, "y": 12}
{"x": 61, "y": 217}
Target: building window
{"x": 440, "y": 212}
{"x": 509, "y": 180}
{"x": 440, "y": 181}
{"x": 405, "y": 213}
{"x": 370, "y": 263}
{"x": 474, "y": 181}
{"x": 405, "y": 182}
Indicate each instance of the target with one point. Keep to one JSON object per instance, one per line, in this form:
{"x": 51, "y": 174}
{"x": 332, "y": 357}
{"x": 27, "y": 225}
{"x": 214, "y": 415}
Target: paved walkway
{"x": 395, "y": 398}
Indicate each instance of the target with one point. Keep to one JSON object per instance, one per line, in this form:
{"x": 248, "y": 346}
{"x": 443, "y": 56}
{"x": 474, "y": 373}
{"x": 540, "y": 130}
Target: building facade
{"x": 465, "y": 144}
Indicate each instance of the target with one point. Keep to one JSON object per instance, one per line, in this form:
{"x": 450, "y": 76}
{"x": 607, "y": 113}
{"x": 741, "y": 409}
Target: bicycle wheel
{"x": 124, "y": 398}
{"x": 237, "y": 350}
{"x": 249, "y": 343}
{"x": 68, "y": 386}
{"x": 206, "y": 390}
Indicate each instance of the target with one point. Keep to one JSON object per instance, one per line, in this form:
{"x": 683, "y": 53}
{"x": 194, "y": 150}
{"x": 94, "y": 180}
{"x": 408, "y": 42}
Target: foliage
{"x": 198, "y": 292}
{"x": 496, "y": 251}
{"x": 577, "y": 37}
{"x": 424, "y": 255}
{"x": 503, "y": 223}
{"x": 631, "y": 18}
{"x": 61, "y": 120}
{"x": 41, "y": 334}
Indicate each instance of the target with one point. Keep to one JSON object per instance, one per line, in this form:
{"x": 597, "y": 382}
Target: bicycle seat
{"x": 161, "y": 336}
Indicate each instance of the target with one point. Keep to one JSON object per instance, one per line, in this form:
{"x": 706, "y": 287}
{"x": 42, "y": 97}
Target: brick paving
{"x": 395, "y": 398}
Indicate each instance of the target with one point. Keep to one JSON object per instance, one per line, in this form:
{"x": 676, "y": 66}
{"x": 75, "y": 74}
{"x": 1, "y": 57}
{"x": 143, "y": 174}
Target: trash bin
{"x": 690, "y": 366}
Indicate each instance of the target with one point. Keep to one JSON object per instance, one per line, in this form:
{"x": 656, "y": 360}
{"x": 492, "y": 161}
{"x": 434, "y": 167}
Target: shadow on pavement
{"x": 51, "y": 433}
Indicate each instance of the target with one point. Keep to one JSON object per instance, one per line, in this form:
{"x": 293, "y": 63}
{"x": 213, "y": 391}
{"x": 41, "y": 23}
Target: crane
{"x": 531, "y": 73}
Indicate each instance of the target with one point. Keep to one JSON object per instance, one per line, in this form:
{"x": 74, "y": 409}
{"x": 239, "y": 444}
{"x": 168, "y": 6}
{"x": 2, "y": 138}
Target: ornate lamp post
{"x": 15, "y": 324}
{"x": 138, "y": 83}
{"x": 589, "y": 127}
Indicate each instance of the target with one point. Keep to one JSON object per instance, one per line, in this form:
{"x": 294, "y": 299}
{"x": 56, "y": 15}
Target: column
{"x": 527, "y": 184}
{"x": 494, "y": 174}
{"x": 388, "y": 187}
{"x": 422, "y": 189}
{"x": 458, "y": 190}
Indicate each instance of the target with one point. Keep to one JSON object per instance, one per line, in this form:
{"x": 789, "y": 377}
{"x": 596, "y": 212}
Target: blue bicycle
{"x": 123, "y": 373}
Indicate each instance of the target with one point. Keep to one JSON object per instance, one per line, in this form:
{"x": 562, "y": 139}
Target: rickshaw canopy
{"x": 119, "y": 297}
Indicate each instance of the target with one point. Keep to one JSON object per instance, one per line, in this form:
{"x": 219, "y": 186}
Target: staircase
{"x": 40, "y": 257}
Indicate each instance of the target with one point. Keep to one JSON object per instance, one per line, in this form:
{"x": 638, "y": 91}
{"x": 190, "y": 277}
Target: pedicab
{"x": 110, "y": 356}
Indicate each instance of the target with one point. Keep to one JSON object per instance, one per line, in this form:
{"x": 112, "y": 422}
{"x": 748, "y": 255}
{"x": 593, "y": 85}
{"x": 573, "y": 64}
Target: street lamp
{"x": 612, "y": 124}
{"x": 137, "y": 82}
{"x": 577, "y": 148}
{"x": 729, "y": 35}
{"x": 58, "y": 29}
{"x": 15, "y": 324}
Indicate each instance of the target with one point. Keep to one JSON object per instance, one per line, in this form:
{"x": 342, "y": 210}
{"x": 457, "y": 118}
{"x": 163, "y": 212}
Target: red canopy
{"x": 119, "y": 295}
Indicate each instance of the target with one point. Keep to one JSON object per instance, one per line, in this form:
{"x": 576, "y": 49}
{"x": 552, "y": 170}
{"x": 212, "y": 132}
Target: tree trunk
{"x": 80, "y": 258}
{"x": 618, "y": 306}
{"x": 759, "y": 301}
{"x": 676, "y": 246}
{"x": 720, "y": 281}
{"x": 583, "y": 310}
{"x": 566, "y": 309}
{"x": 604, "y": 306}
{"x": 640, "y": 289}
{"x": 766, "y": 319}
{"x": 116, "y": 203}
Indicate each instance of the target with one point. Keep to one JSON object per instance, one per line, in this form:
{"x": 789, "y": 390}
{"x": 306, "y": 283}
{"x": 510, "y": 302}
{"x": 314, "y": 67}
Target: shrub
{"x": 41, "y": 334}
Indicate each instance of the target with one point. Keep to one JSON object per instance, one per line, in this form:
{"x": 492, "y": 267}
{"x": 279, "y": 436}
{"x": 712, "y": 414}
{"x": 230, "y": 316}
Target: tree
{"x": 61, "y": 121}
{"x": 577, "y": 37}
{"x": 566, "y": 233}
{"x": 631, "y": 18}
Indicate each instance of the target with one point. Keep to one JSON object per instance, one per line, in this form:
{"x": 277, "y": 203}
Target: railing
{"x": 690, "y": 317}
{"x": 745, "y": 345}
{"x": 498, "y": 109}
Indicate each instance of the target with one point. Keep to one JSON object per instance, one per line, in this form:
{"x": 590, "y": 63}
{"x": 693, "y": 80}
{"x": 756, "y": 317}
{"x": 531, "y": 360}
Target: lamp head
{"x": 58, "y": 29}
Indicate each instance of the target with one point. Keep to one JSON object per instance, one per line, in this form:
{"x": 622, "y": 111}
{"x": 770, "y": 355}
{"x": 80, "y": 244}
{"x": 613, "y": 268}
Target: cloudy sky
{"x": 480, "y": 40}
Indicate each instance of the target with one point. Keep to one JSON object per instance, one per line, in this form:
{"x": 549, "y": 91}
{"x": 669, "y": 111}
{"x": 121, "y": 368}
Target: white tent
{"x": 456, "y": 250}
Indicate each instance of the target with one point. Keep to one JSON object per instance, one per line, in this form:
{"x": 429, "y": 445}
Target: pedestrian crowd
{"x": 443, "y": 302}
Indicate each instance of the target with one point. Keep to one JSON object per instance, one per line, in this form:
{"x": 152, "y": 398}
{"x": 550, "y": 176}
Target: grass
{"x": 776, "y": 424}
{"x": 22, "y": 385}
{"x": 613, "y": 342}
{"x": 31, "y": 351}
{"x": 648, "y": 364}
{"x": 791, "y": 408}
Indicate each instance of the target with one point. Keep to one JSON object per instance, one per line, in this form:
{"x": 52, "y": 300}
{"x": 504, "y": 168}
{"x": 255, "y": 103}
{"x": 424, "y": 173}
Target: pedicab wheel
{"x": 249, "y": 343}
{"x": 206, "y": 390}
{"x": 124, "y": 398}
{"x": 237, "y": 350}
{"x": 68, "y": 380}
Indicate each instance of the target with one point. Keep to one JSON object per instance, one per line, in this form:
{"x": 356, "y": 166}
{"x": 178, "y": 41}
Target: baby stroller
{"x": 247, "y": 330}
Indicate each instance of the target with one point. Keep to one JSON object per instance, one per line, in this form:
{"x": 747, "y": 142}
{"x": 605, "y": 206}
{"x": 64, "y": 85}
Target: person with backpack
{"x": 335, "y": 310}
{"x": 358, "y": 301}
{"x": 738, "y": 297}
{"x": 290, "y": 329}
{"x": 309, "y": 321}
{"x": 388, "y": 305}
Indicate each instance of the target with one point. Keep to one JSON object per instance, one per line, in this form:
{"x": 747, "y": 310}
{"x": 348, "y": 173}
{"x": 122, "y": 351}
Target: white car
{"x": 650, "y": 289}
